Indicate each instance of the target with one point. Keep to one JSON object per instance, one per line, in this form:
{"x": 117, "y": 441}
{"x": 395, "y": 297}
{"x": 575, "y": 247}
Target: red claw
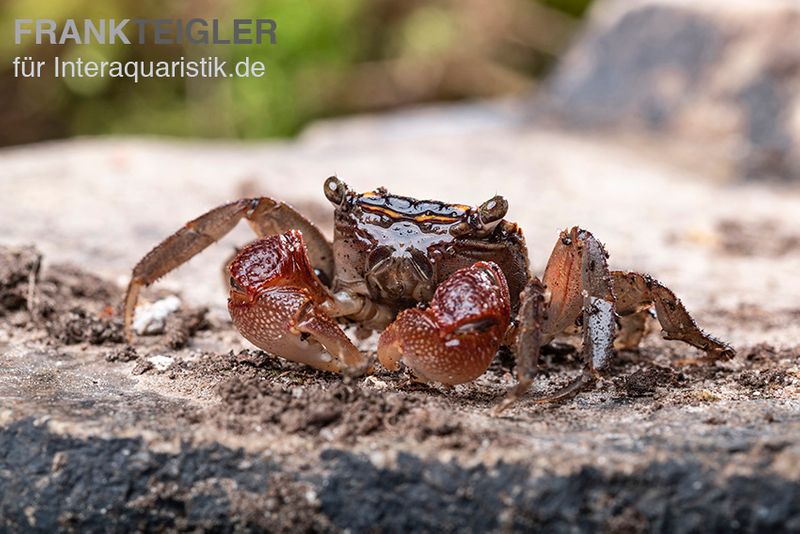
{"x": 274, "y": 303}
{"x": 454, "y": 340}
{"x": 275, "y": 260}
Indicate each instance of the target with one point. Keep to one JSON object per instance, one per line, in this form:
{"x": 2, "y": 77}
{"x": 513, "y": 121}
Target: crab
{"x": 446, "y": 285}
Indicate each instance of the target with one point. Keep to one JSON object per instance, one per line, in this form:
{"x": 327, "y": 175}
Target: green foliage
{"x": 322, "y": 47}
{"x": 576, "y": 8}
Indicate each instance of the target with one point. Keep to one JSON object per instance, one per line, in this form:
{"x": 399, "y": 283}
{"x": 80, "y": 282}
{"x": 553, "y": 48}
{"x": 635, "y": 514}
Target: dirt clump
{"x": 74, "y": 306}
{"x": 643, "y": 382}
{"x": 182, "y": 325}
{"x": 78, "y": 307}
{"x": 142, "y": 366}
{"x": 764, "y": 353}
{"x": 71, "y": 305}
{"x": 761, "y": 379}
{"x": 347, "y": 411}
{"x": 19, "y": 269}
{"x": 79, "y": 325}
{"x": 122, "y": 354}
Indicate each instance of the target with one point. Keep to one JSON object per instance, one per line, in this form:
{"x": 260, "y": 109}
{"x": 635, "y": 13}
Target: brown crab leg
{"x": 580, "y": 287}
{"x": 632, "y": 329}
{"x": 636, "y": 293}
{"x": 265, "y": 215}
{"x": 527, "y": 342}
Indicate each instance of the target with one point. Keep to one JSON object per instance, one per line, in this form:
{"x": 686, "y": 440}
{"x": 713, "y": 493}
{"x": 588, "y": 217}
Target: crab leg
{"x": 275, "y": 303}
{"x": 265, "y": 215}
{"x": 578, "y": 280}
{"x": 637, "y": 293}
{"x": 454, "y": 340}
{"x": 527, "y": 341}
{"x": 632, "y": 329}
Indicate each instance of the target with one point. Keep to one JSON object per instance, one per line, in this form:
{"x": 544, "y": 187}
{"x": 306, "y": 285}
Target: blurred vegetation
{"x": 333, "y": 57}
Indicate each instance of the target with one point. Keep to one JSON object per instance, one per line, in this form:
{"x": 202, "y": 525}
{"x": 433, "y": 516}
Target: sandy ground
{"x": 194, "y": 428}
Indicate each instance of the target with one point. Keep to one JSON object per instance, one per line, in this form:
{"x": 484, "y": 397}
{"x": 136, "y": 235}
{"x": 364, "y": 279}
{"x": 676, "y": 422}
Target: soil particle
{"x": 66, "y": 294}
{"x": 73, "y": 306}
{"x": 76, "y": 306}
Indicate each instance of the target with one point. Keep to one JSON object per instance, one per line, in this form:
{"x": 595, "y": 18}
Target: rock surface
{"x": 722, "y": 77}
{"x": 194, "y": 429}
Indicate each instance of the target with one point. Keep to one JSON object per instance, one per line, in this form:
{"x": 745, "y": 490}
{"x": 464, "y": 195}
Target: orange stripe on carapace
{"x": 443, "y": 219}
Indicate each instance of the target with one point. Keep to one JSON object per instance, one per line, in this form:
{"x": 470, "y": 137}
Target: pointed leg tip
{"x": 571, "y": 390}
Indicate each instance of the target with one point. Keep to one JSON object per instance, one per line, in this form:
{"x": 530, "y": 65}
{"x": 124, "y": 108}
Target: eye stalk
{"x": 493, "y": 210}
{"x": 481, "y": 221}
{"x": 335, "y": 190}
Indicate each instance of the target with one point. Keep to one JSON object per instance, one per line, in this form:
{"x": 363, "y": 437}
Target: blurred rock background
{"x": 717, "y": 82}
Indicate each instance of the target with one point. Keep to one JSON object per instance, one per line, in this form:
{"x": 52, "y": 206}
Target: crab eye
{"x": 335, "y": 190}
{"x": 234, "y": 284}
{"x": 493, "y": 210}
